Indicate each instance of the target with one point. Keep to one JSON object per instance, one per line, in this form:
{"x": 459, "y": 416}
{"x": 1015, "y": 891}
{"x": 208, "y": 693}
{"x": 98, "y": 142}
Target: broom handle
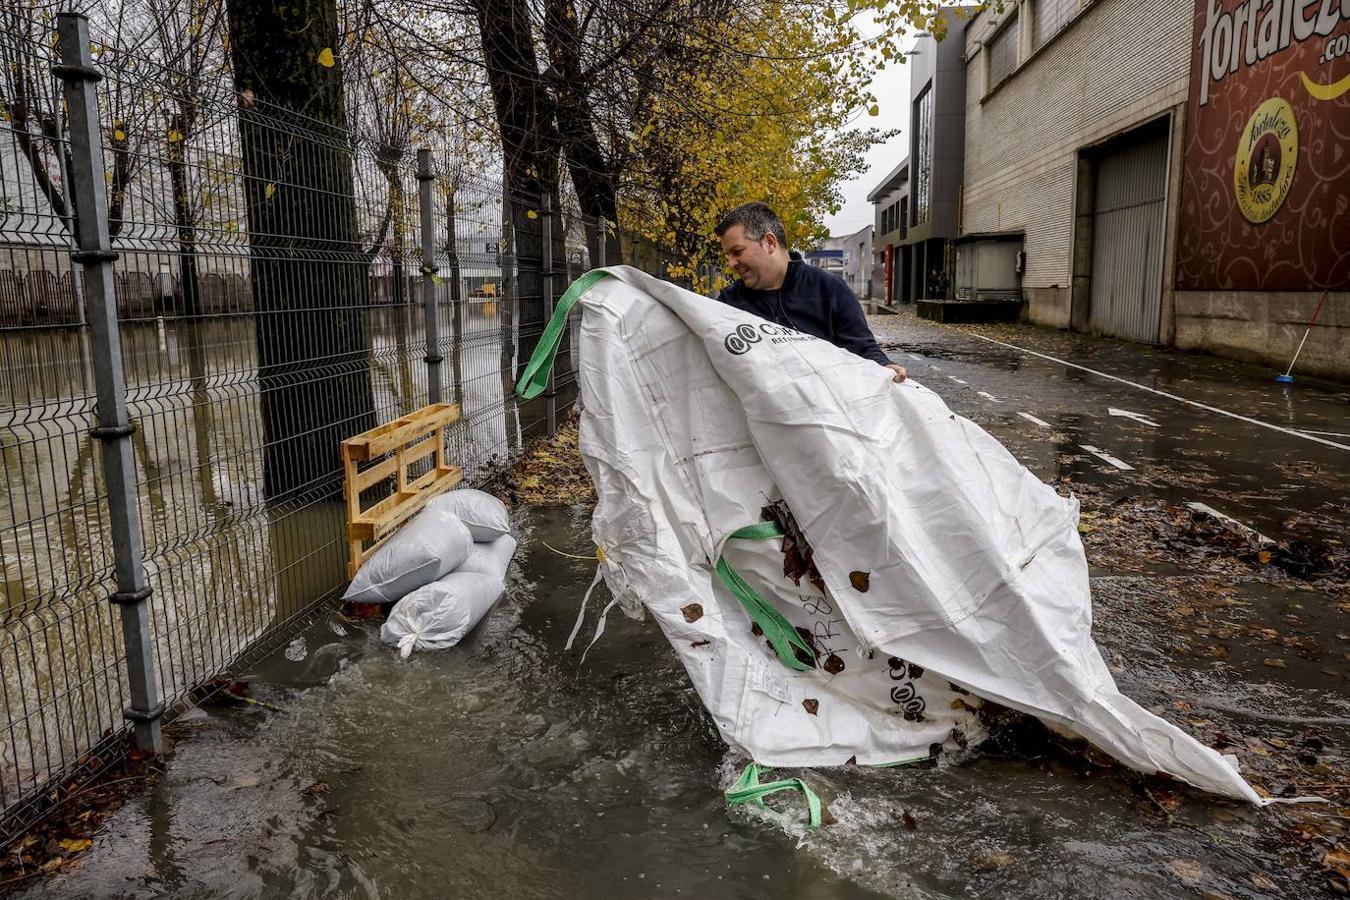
{"x": 1307, "y": 331}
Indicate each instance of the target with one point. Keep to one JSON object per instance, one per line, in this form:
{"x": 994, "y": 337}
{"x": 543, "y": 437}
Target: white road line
{"x": 1223, "y": 517}
{"x": 1126, "y": 414}
{"x": 1214, "y": 409}
{"x": 1030, "y": 418}
{"x": 990, "y": 397}
{"x": 916, "y": 356}
{"x": 1327, "y": 433}
{"x": 957, "y": 380}
{"x": 1102, "y": 454}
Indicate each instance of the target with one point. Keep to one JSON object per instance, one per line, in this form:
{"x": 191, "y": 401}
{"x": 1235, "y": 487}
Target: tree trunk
{"x": 530, "y": 147}
{"x": 311, "y": 287}
{"x": 189, "y": 298}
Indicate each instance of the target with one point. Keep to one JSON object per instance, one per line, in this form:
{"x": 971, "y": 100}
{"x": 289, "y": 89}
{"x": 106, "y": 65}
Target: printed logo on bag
{"x": 740, "y": 340}
{"x": 746, "y": 336}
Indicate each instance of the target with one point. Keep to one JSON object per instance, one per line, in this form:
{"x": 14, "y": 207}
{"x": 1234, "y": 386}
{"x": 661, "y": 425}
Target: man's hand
{"x": 899, "y": 370}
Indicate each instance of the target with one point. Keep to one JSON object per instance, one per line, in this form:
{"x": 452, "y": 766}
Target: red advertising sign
{"x": 1265, "y": 198}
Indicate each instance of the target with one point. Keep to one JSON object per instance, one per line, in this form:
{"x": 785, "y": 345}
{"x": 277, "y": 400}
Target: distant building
{"x": 848, "y": 256}
{"x": 891, "y": 260}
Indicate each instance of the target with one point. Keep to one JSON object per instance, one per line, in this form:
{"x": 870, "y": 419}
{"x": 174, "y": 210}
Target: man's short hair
{"x": 757, "y": 219}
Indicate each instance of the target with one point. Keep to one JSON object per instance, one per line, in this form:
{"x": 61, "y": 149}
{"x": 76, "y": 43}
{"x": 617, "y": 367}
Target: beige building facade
{"x": 1077, "y": 146}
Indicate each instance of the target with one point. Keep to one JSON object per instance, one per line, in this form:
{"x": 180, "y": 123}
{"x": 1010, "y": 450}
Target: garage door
{"x": 1127, "y": 238}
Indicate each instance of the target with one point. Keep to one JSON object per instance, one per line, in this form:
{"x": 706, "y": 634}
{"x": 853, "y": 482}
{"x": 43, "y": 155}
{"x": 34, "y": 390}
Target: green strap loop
{"x": 748, "y": 789}
{"x": 534, "y": 379}
{"x": 792, "y": 650}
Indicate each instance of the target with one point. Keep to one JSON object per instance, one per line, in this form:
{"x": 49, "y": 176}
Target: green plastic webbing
{"x": 748, "y": 789}
{"x": 779, "y": 631}
{"x": 534, "y": 379}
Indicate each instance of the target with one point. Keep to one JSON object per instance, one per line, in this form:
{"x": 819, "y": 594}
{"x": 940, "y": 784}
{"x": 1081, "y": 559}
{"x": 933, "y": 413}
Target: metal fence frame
{"x": 136, "y": 337}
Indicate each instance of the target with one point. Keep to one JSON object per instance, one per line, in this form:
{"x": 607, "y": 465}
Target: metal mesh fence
{"x": 271, "y": 300}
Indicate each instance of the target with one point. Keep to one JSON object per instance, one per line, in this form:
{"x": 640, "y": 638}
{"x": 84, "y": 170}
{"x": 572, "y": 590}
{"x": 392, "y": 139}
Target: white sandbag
{"x": 438, "y": 615}
{"x": 485, "y": 515}
{"x": 948, "y": 567}
{"x": 431, "y": 544}
{"x": 490, "y": 557}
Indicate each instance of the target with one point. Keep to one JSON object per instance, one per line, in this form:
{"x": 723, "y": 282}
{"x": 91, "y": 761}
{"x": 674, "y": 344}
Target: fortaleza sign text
{"x": 1256, "y": 29}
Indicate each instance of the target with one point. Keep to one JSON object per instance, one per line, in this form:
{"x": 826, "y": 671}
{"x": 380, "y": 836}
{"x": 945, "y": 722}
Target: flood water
{"x": 505, "y": 768}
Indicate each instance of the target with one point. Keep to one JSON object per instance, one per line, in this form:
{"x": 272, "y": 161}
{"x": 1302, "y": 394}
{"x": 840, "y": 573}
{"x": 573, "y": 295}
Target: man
{"x": 785, "y": 290}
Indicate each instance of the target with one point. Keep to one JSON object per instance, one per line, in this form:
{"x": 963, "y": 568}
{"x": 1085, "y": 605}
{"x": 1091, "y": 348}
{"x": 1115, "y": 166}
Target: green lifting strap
{"x": 792, "y": 650}
{"x": 534, "y": 379}
{"x": 748, "y": 789}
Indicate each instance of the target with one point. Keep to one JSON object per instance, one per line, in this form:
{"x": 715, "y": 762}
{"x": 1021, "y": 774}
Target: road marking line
{"x": 957, "y": 380}
{"x": 1126, "y": 414}
{"x": 916, "y": 356}
{"x": 1327, "y": 433}
{"x": 1102, "y": 454}
{"x": 1030, "y": 418}
{"x": 1143, "y": 387}
{"x": 990, "y": 397}
{"x": 1223, "y": 517}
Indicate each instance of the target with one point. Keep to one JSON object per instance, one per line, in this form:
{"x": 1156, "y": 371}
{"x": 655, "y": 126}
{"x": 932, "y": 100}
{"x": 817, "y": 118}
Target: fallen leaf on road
{"x": 76, "y": 845}
{"x": 1262, "y": 881}
{"x": 1188, "y": 870}
{"x": 1275, "y": 663}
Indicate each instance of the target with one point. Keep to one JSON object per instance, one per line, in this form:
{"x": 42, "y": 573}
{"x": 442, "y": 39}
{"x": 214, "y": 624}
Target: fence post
{"x": 602, "y": 243}
{"x": 430, "y": 311}
{"x": 78, "y": 75}
{"x": 546, "y": 280}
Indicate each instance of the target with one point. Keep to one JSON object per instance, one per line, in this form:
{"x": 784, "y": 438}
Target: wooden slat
{"x": 379, "y": 441}
{"x": 382, "y": 518}
{"x": 375, "y": 474}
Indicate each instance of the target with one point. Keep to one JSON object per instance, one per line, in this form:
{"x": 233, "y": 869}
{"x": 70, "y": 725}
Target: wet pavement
{"x": 505, "y": 767}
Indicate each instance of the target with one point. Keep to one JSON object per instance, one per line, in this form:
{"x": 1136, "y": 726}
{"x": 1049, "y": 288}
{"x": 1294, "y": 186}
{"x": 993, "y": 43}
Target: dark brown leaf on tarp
{"x": 861, "y": 581}
{"x": 833, "y": 664}
{"x": 693, "y": 612}
{"x": 756, "y": 630}
{"x": 699, "y": 643}
{"x": 811, "y": 705}
{"x": 798, "y": 557}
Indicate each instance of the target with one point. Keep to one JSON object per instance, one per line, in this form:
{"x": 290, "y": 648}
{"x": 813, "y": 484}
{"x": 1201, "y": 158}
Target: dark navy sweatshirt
{"x": 813, "y": 301}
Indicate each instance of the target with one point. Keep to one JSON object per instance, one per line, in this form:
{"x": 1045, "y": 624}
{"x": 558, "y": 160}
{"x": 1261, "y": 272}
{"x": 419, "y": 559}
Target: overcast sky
{"x": 891, "y": 87}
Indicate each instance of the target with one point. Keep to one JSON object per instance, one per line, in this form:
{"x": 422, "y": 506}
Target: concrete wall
{"x": 1266, "y": 328}
{"x": 941, "y": 64}
{"x": 1119, "y": 64}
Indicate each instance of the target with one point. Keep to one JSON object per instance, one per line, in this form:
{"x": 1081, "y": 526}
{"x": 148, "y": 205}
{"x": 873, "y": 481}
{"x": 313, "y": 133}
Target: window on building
{"x": 923, "y": 155}
{"x": 1049, "y": 18}
{"x": 1002, "y": 52}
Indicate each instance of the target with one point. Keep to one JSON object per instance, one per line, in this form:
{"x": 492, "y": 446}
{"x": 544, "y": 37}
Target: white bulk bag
{"x": 490, "y": 558}
{"x": 431, "y": 544}
{"x": 938, "y": 550}
{"x": 438, "y": 615}
{"x": 486, "y": 516}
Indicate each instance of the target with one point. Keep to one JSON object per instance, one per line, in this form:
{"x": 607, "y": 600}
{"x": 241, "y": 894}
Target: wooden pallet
{"x": 410, "y": 440}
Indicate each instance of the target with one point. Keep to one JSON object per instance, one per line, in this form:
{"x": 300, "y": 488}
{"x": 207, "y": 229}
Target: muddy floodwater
{"x": 504, "y": 768}
{"x": 507, "y": 768}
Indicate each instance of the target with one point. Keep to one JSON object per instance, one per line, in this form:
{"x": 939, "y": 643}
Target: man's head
{"x": 755, "y": 245}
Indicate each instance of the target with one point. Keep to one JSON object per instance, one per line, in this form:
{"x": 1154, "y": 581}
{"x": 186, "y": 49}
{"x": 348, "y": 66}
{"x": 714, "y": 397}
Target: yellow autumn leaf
{"x": 531, "y": 214}
{"x": 76, "y": 845}
{"x": 326, "y": 58}
{"x": 874, "y": 110}
{"x": 175, "y": 135}
{"x": 119, "y": 135}
{"x": 269, "y": 191}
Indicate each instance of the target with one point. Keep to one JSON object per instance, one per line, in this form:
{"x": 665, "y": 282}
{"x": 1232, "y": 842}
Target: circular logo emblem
{"x": 1267, "y": 154}
{"x": 739, "y": 341}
